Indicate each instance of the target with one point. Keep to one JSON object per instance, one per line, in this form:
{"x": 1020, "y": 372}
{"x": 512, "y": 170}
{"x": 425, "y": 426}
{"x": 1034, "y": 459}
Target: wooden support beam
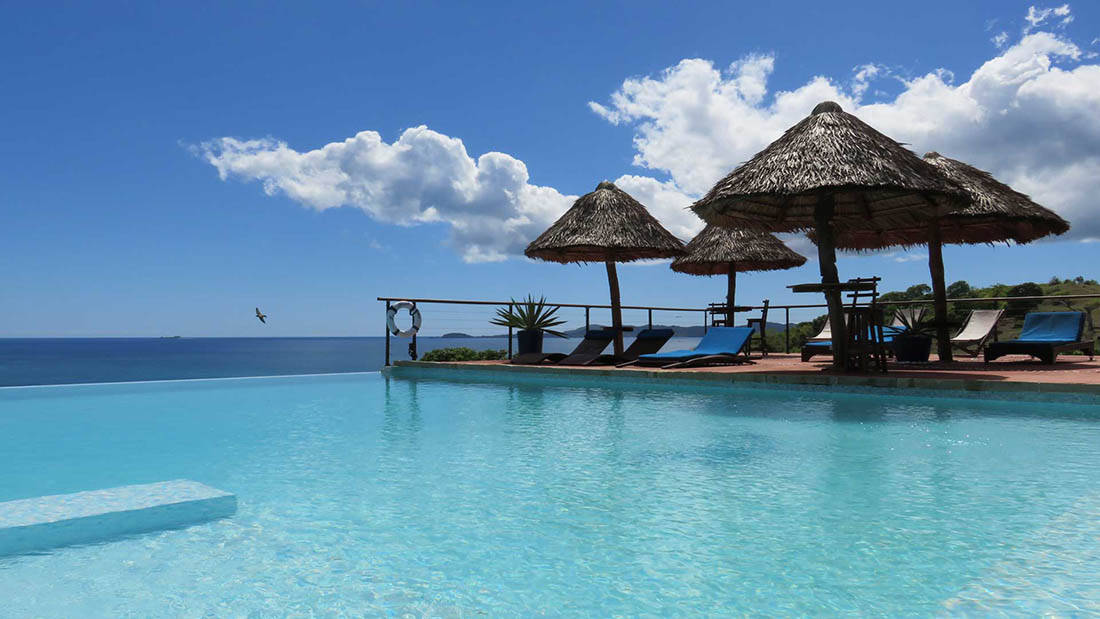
{"x": 939, "y": 289}
{"x": 731, "y": 289}
{"x": 616, "y": 309}
{"x": 826, "y": 256}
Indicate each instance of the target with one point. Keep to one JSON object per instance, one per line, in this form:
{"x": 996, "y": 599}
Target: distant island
{"x": 465, "y": 335}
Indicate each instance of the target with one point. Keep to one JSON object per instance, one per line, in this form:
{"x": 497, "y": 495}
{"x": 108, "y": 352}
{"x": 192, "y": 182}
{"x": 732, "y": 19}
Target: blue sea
{"x": 59, "y": 361}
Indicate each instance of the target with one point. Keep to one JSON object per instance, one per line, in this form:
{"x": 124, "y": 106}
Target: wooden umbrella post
{"x": 826, "y": 255}
{"x": 939, "y": 289}
{"x": 731, "y": 288}
{"x": 616, "y": 309}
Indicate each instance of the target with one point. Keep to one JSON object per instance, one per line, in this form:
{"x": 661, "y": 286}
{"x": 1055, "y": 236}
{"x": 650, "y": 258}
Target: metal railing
{"x": 708, "y": 312}
{"x": 588, "y": 307}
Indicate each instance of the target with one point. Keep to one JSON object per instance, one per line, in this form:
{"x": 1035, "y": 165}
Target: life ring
{"x": 414, "y": 313}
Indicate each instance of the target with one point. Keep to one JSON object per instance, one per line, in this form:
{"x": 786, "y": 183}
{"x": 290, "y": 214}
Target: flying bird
{"x": 262, "y": 316}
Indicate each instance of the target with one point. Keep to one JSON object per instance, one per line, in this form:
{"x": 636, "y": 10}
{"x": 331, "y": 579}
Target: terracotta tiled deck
{"x": 1068, "y": 369}
{"x": 1070, "y": 374}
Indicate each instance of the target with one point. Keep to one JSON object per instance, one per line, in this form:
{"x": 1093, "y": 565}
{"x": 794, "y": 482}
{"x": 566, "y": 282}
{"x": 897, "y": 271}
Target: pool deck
{"x": 1071, "y": 374}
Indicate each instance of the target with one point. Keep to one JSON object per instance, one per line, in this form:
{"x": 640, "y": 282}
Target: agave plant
{"x": 914, "y": 324}
{"x": 530, "y": 314}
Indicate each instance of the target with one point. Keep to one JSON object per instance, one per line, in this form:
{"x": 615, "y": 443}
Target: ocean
{"x": 59, "y": 361}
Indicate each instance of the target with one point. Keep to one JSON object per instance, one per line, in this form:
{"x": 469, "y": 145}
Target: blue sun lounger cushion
{"x": 1045, "y": 335}
{"x": 717, "y": 342}
{"x": 1052, "y": 327}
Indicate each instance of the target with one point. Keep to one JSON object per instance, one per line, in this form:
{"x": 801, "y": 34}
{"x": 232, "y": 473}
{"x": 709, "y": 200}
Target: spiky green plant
{"x": 915, "y": 324}
{"x": 530, "y": 314}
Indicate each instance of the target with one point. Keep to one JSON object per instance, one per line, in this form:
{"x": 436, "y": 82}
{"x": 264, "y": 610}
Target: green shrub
{"x": 463, "y": 354}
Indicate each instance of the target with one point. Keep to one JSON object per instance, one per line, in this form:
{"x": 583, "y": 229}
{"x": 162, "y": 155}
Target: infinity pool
{"x": 364, "y": 495}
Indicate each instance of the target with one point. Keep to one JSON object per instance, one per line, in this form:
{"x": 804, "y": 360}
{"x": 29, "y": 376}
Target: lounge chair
{"x": 980, "y": 326}
{"x": 1044, "y": 335}
{"x": 594, "y": 343}
{"x": 647, "y": 341}
{"x": 719, "y": 345}
{"x": 822, "y": 343}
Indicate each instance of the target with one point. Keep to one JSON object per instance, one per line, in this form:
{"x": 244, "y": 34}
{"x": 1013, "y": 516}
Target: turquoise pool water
{"x": 365, "y": 495}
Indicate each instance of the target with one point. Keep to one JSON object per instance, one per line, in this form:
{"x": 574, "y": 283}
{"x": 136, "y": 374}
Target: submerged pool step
{"x": 47, "y": 522}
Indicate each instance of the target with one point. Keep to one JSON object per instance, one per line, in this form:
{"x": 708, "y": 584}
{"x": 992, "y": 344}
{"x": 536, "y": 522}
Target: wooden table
{"x": 842, "y": 287}
{"x": 721, "y": 308}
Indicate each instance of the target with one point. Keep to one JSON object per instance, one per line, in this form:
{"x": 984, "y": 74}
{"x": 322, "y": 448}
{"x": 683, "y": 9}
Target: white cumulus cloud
{"x": 423, "y": 176}
{"x": 1039, "y": 16}
{"x": 665, "y": 201}
{"x": 1030, "y": 115}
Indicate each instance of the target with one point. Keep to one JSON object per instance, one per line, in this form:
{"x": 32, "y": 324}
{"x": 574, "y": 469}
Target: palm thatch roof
{"x": 875, "y": 182}
{"x": 605, "y": 225}
{"x": 997, "y": 213}
{"x": 714, "y": 250}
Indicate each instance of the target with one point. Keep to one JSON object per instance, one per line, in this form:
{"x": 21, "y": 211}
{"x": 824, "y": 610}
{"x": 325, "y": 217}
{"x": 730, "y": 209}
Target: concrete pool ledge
{"x": 42, "y": 523}
{"x": 892, "y": 383}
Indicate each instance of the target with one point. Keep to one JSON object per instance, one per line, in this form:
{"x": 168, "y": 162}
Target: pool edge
{"x": 1075, "y": 393}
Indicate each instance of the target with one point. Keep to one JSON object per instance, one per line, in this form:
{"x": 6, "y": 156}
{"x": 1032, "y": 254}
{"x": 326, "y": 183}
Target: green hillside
{"x": 1009, "y": 326}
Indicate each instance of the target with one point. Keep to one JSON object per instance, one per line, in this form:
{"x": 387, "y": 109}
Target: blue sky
{"x": 119, "y": 119}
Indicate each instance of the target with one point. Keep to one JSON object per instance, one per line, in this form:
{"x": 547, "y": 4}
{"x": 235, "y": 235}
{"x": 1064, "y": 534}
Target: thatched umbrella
{"x": 831, "y": 171}
{"x": 997, "y": 213}
{"x": 726, "y": 251}
{"x": 606, "y": 226}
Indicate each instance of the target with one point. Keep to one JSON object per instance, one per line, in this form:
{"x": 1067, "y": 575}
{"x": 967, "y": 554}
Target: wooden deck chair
{"x": 979, "y": 328}
{"x": 760, "y": 326}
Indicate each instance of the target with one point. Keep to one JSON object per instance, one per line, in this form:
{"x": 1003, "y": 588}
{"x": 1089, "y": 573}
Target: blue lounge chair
{"x": 1044, "y": 335}
{"x": 719, "y": 345}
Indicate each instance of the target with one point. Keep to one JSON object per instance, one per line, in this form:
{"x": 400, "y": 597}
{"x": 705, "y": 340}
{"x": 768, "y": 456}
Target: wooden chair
{"x": 866, "y": 345}
{"x": 720, "y": 315}
{"x": 760, "y": 325}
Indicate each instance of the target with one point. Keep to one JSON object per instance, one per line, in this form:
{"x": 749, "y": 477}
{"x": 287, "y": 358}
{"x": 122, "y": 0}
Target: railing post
{"x": 787, "y": 332}
{"x": 412, "y": 345}
{"x": 586, "y": 311}
{"x": 387, "y": 333}
{"x": 704, "y": 322}
{"x": 510, "y": 306}
{"x": 650, "y": 318}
